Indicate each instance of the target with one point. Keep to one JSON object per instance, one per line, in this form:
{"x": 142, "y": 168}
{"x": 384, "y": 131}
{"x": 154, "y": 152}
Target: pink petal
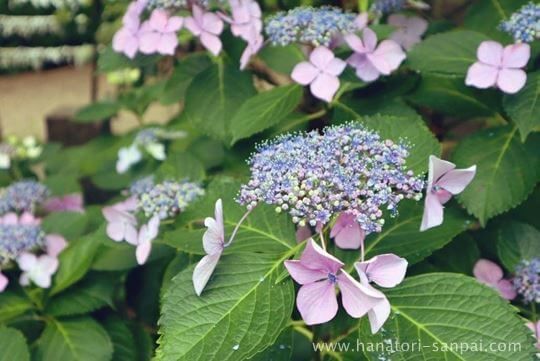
{"x": 10, "y": 218}
{"x": 357, "y": 298}
{"x": 302, "y": 274}
{"x": 511, "y": 80}
{"x": 456, "y": 180}
{"x": 27, "y": 261}
{"x": 321, "y": 57}
{"x": 379, "y": 314}
{"x": 4, "y": 281}
{"x": 48, "y": 264}
{"x": 416, "y": 25}
{"x": 70, "y": 203}
{"x": 487, "y": 272}
{"x": 369, "y": 39}
{"x": 211, "y": 42}
{"x": 506, "y": 289}
{"x": 24, "y": 279}
{"x": 143, "y": 251}
{"x": 481, "y": 76}
{"x": 174, "y": 24}
{"x": 347, "y": 232}
{"x": 516, "y": 55}
{"x": 317, "y": 302}
{"x": 315, "y": 258}
{"x": 397, "y": 20}
{"x": 361, "y": 20}
{"x": 148, "y": 42}
{"x": 335, "y": 67}
{"x": 130, "y": 235}
{"x": 304, "y": 73}
{"x": 364, "y": 69}
{"x": 442, "y": 195}
{"x": 490, "y": 53}
{"x": 158, "y": 20}
{"x": 355, "y": 43}
{"x": 387, "y": 57}
{"x": 212, "y": 23}
{"x": 303, "y": 233}
{"x": 386, "y": 270}
{"x": 55, "y": 244}
{"x": 324, "y": 87}
{"x": 407, "y": 41}
{"x": 153, "y": 227}
{"x": 167, "y": 44}
{"x": 28, "y": 219}
{"x": 433, "y": 212}
{"x": 203, "y": 271}
{"x": 193, "y": 26}
{"x": 128, "y": 205}
{"x": 116, "y": 231}
{"x": 437, "y": 168}
{"x": 214, "y": 237}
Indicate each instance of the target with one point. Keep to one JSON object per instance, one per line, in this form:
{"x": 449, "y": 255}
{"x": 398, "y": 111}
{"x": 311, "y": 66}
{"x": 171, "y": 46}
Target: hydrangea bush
{"x": 352, "y": 182}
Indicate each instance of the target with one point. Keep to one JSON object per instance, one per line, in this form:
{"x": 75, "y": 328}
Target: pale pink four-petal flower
{"x": 499, "y": 67}
{"x": 409, "y": 29}
{"x": 121, "y": 224}
{"x": 158, "y": 34}
{"x": 371, "y": 60}
{"x": 444, "y": 181}
{"x": 207, "y": 26}
{"x": 491, "y": 274}
{"x": 37, "y": 269}
{"x": 347, "y": 233}
{"x": 320, "y": 273}
{"x": 143, "y": 239}
{"x": 68, "y": 203}
{"x": 320, "y": 73}
{"x": 126, "y": 39}
{"x": 213, "y": 244}
{"x": 245, "y": 19}
{"x": 386, "y": 270}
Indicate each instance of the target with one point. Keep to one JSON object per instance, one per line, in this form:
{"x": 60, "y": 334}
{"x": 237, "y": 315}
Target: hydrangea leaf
{"x": 177, "y": 84}
{"x": 13, "y": 305}
{"x": 69, "y": 224}
{"x": 450, "y": 53}
{"x": 263, "y": 231}
{"x": 241, "y": 312}
{"x": 485, "y": 16}
{"x": 437, "y": 313}
{"x": 181, "y": 165}
{"x": 524, "y": 107}
{"x": 81, "y": 339}
{"x": 97, "y": 112}
{"x": 125, "y": 348}
{"x": 517, "y": 241}
{"x": 282, "y": 59}
{"x": 264, "y": 110}
{"x": 13, "y": 345}
{"x": 214, "y": 96}
{"x": 506, "y": 171}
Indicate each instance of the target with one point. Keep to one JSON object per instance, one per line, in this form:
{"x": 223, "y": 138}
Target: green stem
{"x": 363, "y": 5}
{"x": 300, "y": 121}
{"x": 533, "y": 309}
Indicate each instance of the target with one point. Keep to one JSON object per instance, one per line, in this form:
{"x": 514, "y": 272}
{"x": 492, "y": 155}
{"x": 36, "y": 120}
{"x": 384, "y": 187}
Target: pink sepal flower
{"x": 490, "y": 274}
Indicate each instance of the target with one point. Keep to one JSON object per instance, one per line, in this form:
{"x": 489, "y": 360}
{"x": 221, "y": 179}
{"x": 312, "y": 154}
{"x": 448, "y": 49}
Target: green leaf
{"x": 264, "y": 110}
{"x": 213, "y": 98}
{"x": 485, "y": 16}
{"x": 453, "y": 97}
{"x": 516, "y": 242}
{"x": 13, "y": 345}
{"x": 263, "y": 231}
{"x": 110, "y": 60}
{"x": 410, "y": 129}
{"x": 125, "y": 348}
{"x": 179, "y": 166}
{"x": 459, "y": 256}
{"x": 76, "y": 339}
{"x": 281, "y": 350}
{"x": 91, "y": 294}
{"x": 450, "y": 53}
{"x": 13, "y": 305}
{"x": 524, "y": 107}
{"x": 69, "y": 224}
{"x": 97, "y": 112}
{"x": 505, "y": 175}
{"x": 75, "y": 261}
{"x": 282, "y": 59}
{"x": 439, "y": 311}
{"x": 176, "y": 85}
{"x": 240, "y": 312}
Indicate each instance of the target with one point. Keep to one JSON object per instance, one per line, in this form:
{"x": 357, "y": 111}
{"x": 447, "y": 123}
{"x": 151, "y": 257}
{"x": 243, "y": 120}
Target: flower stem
{"x": 323, "y": 244}
{"x": 238, "y": 226}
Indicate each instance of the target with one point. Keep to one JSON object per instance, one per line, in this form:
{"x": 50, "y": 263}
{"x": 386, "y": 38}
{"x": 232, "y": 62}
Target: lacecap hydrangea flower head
{"x": 524, "y": 24}
{"x": 23, "y": 196}
{"x": 527, "y": 280}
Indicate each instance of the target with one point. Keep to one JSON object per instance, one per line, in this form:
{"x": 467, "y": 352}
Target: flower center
{"x": 332, "y": 278}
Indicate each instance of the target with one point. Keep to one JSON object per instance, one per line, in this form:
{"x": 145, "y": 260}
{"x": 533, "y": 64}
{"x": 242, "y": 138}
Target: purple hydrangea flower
{"x": 527, "y": 280}
{"x": 23, "y": 196}
{"x": 524, "y": 24}
{"x": 141, "y": 186}
{"x": 175, "y": 4}
{"x": 19, "y": 235}
{"x": 168, "y": 198}
{"x": 315, "y": 177}
{"x": 388, "y": 6}
{"x": 316, "y": 26}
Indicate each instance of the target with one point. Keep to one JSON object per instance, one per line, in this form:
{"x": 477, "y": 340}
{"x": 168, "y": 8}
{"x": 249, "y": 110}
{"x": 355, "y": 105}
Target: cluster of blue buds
{"x": 383, "y": 7}
{"x": 18, "y": 238}
{"x": 314, "y": 177}
{"x": 142, "y": 185}
{"x": 175, "y": 4}
{"x": 524, "y": 24}
{"x": 23, "y": 196}
{"x": 308, "y": 25}
{"x": 168, "y": 198}
{"x": 527, "y": 280}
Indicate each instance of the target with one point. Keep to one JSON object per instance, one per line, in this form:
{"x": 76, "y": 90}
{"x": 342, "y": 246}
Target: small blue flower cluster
{"x": 316, "y": 26}
{"x": 142, "y": 185}
{"x": 23, "y": 196}
{"x": 527, "y": 280}
{"x": 315, "y": 177}
{"x": 168, "y": 198}
{"x": 18, "y": 238}
{"x": 175, "y": 4}
{"x": 524, "y": 24}
{"x": 383, "y": 7}
{"x": 147, "y": 136}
